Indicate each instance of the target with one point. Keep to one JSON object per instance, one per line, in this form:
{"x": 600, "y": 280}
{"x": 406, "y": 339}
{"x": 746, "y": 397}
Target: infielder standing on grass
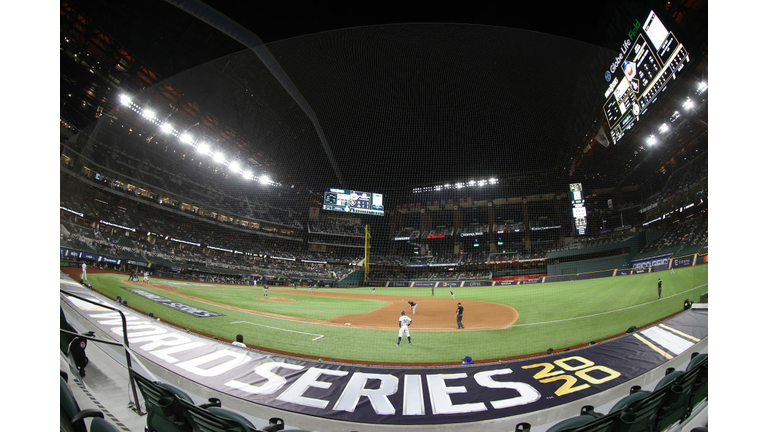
{"x": 83, "y": 275}
{"x": 413, "y": 306}
{"x": 266, "y": 289}
{"x": 452, "y": 295}
{"x": 404, "y": 323}
{"x": 146, "y": 276}
{"x": 459, "y": 316}
{"x": 659, "y": 288}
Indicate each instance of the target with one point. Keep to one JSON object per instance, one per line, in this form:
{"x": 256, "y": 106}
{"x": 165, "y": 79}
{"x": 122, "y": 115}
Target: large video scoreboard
{"x": 648, "y": 60}
{"x": 579, "y": 211}
{"x": 349, "y": 201}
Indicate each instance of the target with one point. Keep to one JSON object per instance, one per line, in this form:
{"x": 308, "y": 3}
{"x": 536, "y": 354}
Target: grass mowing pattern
{"x": 552, "y": 315}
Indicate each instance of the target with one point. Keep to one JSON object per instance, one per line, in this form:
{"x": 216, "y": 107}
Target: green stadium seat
{"x": 639, "y": 410}
{"x": 71, "y": 417}
{"x": 699, "y": 365}
{"x": 674, "y": 408}
{"x": 101, "y": 425}
{"x": 588, "y": 421}
{"x": 163, "y": 406}
{"x": 215, "y": 419}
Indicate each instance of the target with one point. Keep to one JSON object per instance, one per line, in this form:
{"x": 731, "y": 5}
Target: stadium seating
{"x": 698, "y": 366}
{"x": 170, "y": 409}
{"x": 216, "y": 419}
{"x": 588, "y": 421}
{"x": 72, "y": 418}
{"x": 163, "y": 405}
{"x": 671, "y": 402}
{"x": 100, "y": 425}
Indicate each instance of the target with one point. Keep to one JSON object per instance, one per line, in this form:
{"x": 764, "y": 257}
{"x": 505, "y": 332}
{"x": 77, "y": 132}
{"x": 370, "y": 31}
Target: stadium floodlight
{"x": 264, "y": 179}
{"x": 148, "y": 113}
{"x": 651, "y": 140}
{"x": 125, "y": 100}
{"x": 701, "y": 88}
{"x": 663, "y": 128}
{"x": 203, "y": 148}
{"x": 247, "y": 174}
{"x": 186, "y": 138}
{"x": 493, "y": 181}
{"x": 482, "y": 183}
{"x": 166, "y": 127}
{"x": 688, "y": 104}
{"x": 234, "y": 166}
{"x": 471, "y": 182}
{"x": 218, "y": 157}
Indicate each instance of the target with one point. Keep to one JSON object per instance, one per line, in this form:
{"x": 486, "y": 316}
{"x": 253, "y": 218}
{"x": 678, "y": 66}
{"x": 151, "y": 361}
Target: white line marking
{"x": 668, "y": 340}
{"x": 605, "y": 313}
{"x": 277, "y": 328}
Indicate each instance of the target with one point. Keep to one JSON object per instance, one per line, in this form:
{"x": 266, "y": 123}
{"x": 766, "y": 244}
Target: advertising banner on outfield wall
{"x": 477, "y": 283}
{"x": 450, "y": 284}
{"x": 650, "y": 262}
{"x": 532, "y": 281}
{"x": 685, "y": 261}
{"x": 395, "y": 395}
{"x": 424, "y": 284}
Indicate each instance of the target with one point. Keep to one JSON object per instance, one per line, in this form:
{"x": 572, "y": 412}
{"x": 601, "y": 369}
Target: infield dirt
{"x": 432, "y": 314}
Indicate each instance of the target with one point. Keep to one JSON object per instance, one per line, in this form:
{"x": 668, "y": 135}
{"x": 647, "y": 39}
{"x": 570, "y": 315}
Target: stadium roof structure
{"x": 396, "y": 100}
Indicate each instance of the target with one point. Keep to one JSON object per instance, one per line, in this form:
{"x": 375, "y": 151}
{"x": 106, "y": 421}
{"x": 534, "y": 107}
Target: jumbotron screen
{"x": 349, "y": 201}
{"x": 649, "y": 59}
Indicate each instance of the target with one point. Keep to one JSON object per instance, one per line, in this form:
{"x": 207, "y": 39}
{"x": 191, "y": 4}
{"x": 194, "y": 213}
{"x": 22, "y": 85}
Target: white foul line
{"x": 277, "y": 328}
{"x": 605, "y": 313}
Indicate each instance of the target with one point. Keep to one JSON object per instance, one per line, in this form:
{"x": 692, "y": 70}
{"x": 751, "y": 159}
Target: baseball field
{"x": 355, "y": 325}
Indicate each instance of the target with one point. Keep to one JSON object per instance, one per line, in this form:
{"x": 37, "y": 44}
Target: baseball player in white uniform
{"x": 84, "y": 276}
{"x": 404, "y": 322}
{"x": 146, "y": 276}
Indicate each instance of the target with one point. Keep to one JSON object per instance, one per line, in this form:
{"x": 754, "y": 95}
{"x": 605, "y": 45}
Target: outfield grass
{"x": 552, "y": 315}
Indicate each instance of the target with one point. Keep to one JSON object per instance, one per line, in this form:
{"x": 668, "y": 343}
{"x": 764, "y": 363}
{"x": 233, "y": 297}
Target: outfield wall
{"x": 652, "y": 265}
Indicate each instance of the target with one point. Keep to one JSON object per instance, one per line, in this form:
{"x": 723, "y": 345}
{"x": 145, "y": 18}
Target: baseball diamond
{"x": 500, "y": 322}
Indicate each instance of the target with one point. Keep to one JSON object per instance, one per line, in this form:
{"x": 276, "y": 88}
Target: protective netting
{"x": 470, "y": 134}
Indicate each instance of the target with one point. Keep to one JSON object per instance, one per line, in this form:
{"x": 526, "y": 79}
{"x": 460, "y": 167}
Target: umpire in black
{"x": 459, "y": 316}
{"x": 659, "y": 288}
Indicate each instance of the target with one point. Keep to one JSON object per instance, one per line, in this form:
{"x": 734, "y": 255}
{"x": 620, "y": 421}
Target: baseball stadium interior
{"x": 276, "y": 151}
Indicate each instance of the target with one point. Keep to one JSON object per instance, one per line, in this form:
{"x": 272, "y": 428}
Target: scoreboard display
{"x": 349, "y": 201}
{"x": 579, "y": 211}
{"x": 642, "y": 70}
